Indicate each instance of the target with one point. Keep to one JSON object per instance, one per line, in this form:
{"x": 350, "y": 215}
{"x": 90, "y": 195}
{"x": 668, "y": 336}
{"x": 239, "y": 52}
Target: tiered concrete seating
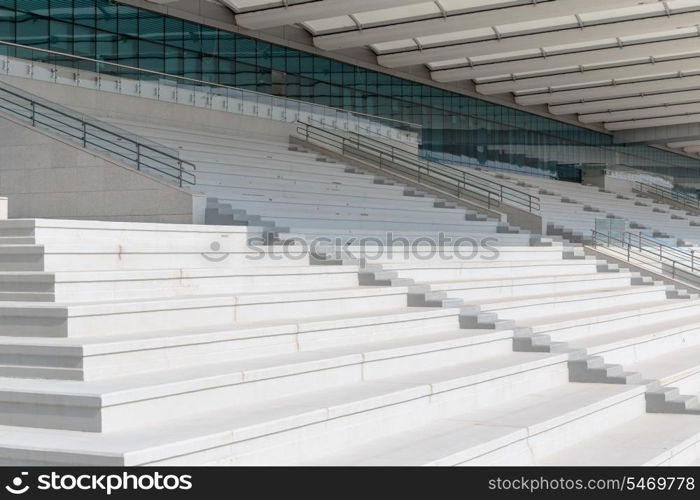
{"x": 144, "y": 344}
{"x": 570, "y": 210}
{"x": 296, "y": 193}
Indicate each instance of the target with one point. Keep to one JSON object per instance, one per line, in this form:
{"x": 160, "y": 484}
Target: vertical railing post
{"x": 179, "y": 165}
{"x": 692, "y": 261}
{"x": 84, "y": 134}
{"x": 138, "y": 156}
{"x": 640, "y": 242}
{"x": 33, "y": 114}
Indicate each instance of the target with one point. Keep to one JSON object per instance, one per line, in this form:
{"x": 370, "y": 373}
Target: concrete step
{"x": 569, "y": 326}
{"x": 127, "y": 402}
{"x": 105, "y": 356}
{"x": 570, "y": 302}
{"x": 476, "y": 290}
{"x": 87, "y": 286}
{"x": 633, "y": 444}
{"x": 43, "y": 319}
{"x": 521, "y": 431}
{"x": 480, "y": 269}
{"x": 280, "y": 430}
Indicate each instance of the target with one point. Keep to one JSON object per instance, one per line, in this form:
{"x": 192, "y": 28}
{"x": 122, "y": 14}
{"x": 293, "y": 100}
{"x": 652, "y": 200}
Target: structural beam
{"x": 546, "y": 39}
{"x": 534, "y": 12}
{"x": 654, "y": 122}
{"x": 570, "y": 61}
{"x": 612, "y": 91}
{"x": 271, "y": 18}
{"x": 627, "y": 103}
{"x": 683, "y": 144}
{"x": 644, "y": 113}
{"x": 590, "y": 76}
{"x": 659, "y": 135}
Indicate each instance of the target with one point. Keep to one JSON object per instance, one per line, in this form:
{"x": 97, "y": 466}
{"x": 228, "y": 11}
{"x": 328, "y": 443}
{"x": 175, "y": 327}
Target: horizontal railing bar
{"x": 81, "y": 130}
{"x": 464, "y": 181}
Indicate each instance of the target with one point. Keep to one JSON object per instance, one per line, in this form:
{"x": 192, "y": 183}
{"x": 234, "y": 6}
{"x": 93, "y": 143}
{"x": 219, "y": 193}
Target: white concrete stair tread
{"x": 467, "y": 263}
{"x": 600, "y": 343}
{"x": 608, "y": 313}
{"x": 470, "y": 435}
{"x": 168, "y": 274}
{"x": 153, "y": 339}
{"x": 573, "y": 296}
{"x": 459, "y": 284}
{"x": 650, "y": 439}
{"x": 213, "y": 300}
{"x": 670, "y": 367}
{"x": 154, "y": 442}
{"x": 122, "y": 390}
{"x": 450, "y": 377}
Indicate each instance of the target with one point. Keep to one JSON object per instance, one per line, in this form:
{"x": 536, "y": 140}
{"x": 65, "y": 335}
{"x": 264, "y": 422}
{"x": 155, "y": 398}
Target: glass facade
{"x": 456, "y": 128}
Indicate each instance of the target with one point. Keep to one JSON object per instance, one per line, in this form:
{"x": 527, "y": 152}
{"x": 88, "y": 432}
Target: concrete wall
{"x": 44, "y": 175}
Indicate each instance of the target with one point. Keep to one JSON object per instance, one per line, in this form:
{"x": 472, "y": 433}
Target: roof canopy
{"x": 624, "y": 64}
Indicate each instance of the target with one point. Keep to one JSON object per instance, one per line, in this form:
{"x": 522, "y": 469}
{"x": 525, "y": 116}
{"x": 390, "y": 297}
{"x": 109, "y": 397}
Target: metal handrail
{"x": 422, "y": 169}
{"x": 669, "y": 194}
{"x": 649, "y": 250}
{"x": 399, "y": 124}
{"x": 93, "y": 134}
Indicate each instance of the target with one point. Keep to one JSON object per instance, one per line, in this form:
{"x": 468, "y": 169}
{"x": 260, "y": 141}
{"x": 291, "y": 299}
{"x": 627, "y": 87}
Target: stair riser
{"x": 234, "y": 198}
{"x": 428, "y": 275}
{"x": 89, "y": 414}
{"x": 498, "y": 240}
{"x": 58, "y": 364}
{"x": 165, "y": 260}
{"x": 535, "y": 289}
{"x": 114, "y": 290}
{"x": 381, "y": 190}
{"x": 571, "y": 306}
{"x": 312, "y": 211}
{"x": 646, "y": 347}
{"x": 485, "y": 251}
{"x": 209, "y": 175}
{"x": 305, "y": 193}
{"x": 193, "y": 238}
{"x": 186, "y": 317}
{"x": 388, "y": 224}
{"x": 593, "y": 326}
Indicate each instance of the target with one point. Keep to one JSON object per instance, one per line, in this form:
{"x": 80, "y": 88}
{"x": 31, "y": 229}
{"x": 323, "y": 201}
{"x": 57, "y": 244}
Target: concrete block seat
{"x": 118, "y": 354}
{"x": 287, "y": 209}
{"x": 230, "y": 172}
{"x": 85, "y": 286}
{"x": 536, "y": 429}
{"x": 464, "y": 238}
{"x": 628, "y": 444}
{"x": 621, "y": 334}
{"x": 266, "y": 420}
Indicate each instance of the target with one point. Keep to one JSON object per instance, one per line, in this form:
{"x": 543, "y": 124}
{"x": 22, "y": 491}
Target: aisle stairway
{"x": 141, "y": 344}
